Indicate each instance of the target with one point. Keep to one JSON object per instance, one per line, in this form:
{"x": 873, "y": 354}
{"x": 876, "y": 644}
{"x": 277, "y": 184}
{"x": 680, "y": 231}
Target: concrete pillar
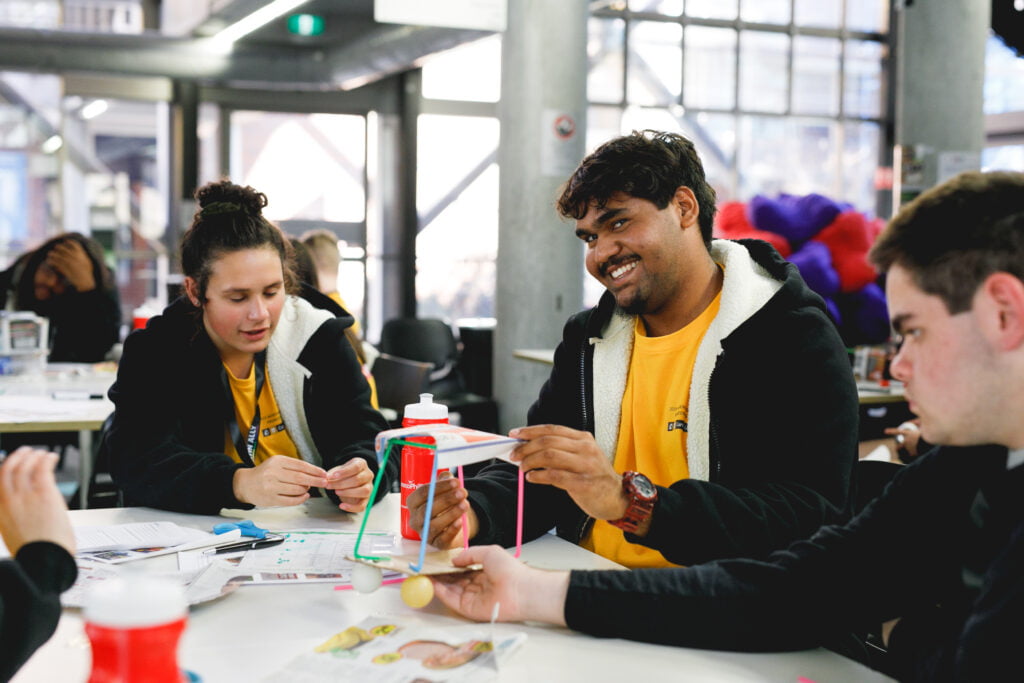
{"x": 183, "y": 151}
{"x": 543, "y": 120}
{"x": 940, "y": 74}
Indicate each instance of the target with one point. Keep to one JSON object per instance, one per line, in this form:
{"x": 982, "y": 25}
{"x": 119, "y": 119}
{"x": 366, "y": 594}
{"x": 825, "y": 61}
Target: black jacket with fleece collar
{"x": 772, "y": 437}
{"x": 166, "y": 440}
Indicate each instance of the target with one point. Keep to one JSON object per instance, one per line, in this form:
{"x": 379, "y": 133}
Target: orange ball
{"x": 417, "y": 591}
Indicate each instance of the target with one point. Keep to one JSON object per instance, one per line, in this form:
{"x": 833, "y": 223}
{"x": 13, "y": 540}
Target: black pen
{"x": 75, "y": 396}
{"x": 247, "y": 544}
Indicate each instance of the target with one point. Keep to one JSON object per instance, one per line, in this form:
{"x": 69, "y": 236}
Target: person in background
{"x": 909, "y": 443}
{"x": 953, "y": 520}
{"x": 307, "y": 274}
{"x": 704, "y": 409}
{"x": 245, "y": 391}
{"x": 35, "y": 528}
{"x": 66, "y": 281}
{"x": 323, "y": 247}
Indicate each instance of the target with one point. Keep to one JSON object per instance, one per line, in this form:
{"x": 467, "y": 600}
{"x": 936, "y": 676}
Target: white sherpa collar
{"x": 298, "y": 322}
{"x": 746, "y": 288}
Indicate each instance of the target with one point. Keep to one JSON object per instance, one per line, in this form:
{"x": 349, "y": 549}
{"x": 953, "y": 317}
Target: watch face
{"x": 643, "y": 486}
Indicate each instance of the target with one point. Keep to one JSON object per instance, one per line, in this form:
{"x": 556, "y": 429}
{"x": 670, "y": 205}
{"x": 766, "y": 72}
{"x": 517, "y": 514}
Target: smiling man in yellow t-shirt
{"x": 705, "y": 408}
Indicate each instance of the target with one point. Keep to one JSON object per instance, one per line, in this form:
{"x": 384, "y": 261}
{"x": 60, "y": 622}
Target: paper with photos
{"x": 393, "y": 650}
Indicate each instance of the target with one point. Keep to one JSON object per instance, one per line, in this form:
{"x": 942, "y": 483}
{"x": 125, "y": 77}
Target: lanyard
{"x": 245, "y": 446}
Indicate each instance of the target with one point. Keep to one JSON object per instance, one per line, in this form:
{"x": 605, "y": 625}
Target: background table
{"x": 27, "y": 404}
{"x": 258, "y": 629}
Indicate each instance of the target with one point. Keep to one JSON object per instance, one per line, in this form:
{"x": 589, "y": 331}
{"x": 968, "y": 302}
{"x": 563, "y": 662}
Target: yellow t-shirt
{"x": 336, "y": 297}
{"x": 653, "y": 428}
{"x": 273, "y": 438}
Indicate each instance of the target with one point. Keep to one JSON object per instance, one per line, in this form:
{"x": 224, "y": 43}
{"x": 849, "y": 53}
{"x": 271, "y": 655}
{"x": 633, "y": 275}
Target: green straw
{"x": 376, "y": 485}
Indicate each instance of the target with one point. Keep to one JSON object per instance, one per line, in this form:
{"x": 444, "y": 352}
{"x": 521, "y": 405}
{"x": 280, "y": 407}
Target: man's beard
{"x": 637, "y": 305}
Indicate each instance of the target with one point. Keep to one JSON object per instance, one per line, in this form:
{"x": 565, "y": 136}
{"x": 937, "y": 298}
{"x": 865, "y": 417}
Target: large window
{"x": 457, "y": 184}
{"x": 88, "y": 164}
{"x": 330, "y": 191}
{"x": 30, "y": 143}
{"x": 778, "y": 95}
{"x": 1004, "y": 107}
{"x": 457, "y": 195}
{"x": 330, "y": 148}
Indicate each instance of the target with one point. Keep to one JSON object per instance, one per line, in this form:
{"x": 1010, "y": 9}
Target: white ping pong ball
{"x": 366, "y": 579}
{"x": 417, "y": 591}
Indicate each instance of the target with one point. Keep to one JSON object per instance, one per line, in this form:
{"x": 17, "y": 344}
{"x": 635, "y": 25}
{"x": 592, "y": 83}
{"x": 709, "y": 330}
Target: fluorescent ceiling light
{"x": 257, "y": 19}
{"x": 93, "y": 109}
{"x": 52, "y": 144}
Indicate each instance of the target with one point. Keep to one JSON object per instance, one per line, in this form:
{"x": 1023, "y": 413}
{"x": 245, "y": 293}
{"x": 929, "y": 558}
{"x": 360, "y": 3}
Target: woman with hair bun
{"x": 245, "y": 391}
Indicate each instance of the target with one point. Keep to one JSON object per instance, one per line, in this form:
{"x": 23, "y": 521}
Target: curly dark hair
{"x": 29, "y": 263}
{"x": 952, "y": 237}
{"x": 230, "y": 218}
{"x": 647, "y": 164}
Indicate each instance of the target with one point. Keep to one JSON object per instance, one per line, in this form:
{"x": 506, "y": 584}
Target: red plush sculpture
{"x": 832, "y": 242}
{"x": 848, "y": 238}
{"x": 731, "y": 223}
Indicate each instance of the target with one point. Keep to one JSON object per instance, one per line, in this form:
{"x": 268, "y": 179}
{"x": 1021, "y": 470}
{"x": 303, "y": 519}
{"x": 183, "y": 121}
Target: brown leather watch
{"x": 642, "y": 496}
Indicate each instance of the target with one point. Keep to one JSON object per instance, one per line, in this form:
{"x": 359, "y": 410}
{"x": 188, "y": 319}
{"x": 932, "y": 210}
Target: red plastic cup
{"x": 134, "y": 625}
{"x": 146, "y": 653}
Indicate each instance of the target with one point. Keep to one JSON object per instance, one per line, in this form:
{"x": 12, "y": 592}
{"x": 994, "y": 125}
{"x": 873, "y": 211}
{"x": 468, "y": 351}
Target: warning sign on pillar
{"x": 565, "y": 126}
{"x": 560, "y": 148}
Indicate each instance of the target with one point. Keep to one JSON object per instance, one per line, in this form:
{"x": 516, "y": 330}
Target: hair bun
{"x": 226, "y": 197}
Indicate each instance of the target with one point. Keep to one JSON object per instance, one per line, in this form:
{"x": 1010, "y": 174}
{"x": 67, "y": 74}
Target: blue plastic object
{"x": 245, "y": 526}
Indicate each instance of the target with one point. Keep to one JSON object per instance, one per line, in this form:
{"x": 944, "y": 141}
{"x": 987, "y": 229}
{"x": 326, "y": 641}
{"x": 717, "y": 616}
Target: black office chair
{"x": 400, "y": 381}
{"x": 103, "y": 492}
{"x": 430, "y": 340}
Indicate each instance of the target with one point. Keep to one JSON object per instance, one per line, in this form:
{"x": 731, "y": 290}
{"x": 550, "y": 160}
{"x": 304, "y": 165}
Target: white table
{"x": 258, "y": 629}
{"x": 27, "y": 404}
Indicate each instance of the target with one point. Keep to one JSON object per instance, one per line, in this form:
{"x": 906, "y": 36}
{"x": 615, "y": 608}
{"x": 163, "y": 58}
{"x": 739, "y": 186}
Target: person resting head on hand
{"x": 66, "y": 281}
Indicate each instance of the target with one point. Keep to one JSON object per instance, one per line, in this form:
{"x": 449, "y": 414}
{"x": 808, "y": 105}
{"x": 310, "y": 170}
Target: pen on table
{"x": 75, "y": 396}
{"x": 248, "y": 544}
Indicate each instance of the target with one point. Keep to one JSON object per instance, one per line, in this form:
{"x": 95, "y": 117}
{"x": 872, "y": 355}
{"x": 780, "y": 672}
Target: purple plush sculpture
{"x": 798, "y": 219}
{"x": 830, "y": 241}
{"x": 814, "y": 262}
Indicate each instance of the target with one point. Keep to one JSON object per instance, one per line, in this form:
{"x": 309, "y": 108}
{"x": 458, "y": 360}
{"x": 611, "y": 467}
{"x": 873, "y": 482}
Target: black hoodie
{"x": 166, "y": 440}
{"x": 782, "y": 441}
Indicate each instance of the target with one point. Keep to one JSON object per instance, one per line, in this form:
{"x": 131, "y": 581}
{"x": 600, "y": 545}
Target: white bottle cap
{"x": 134, "y": 601}
{"x": 426, "y": 409}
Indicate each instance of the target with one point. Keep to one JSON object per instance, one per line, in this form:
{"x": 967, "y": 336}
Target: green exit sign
{"x": 306, "y": 24}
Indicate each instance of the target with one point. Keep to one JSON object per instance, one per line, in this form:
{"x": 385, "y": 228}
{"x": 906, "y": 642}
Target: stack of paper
{"x": 123, "y": 542}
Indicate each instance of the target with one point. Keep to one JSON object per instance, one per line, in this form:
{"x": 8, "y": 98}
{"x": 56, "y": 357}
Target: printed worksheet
{"x": 135, "y": 535}
{"x": 305, "y": 556}
{"x": 316, "y": 550}
{"x": 127, "y": 542}
{"x": 391, "y": 650}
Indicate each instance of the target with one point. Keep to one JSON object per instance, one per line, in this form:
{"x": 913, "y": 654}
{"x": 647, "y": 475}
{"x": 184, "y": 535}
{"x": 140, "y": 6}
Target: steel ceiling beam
{"x": 151, "y": 55}
{"x": 385, "y": 51}
{"x": 391, "y": 49}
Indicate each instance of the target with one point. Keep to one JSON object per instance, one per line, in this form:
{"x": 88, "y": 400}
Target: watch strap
{"x": 640, "y": 506}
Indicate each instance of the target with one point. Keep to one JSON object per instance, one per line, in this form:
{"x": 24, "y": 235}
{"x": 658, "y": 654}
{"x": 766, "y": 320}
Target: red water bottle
{"x": 417, "y": 462}
{"x": 134, "y": 624}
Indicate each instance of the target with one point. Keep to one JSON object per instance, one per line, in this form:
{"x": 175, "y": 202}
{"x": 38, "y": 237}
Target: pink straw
{"x": 465, "y": 522}
{"x": 519, "y": 516}
{"x": 385, "y": 582}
